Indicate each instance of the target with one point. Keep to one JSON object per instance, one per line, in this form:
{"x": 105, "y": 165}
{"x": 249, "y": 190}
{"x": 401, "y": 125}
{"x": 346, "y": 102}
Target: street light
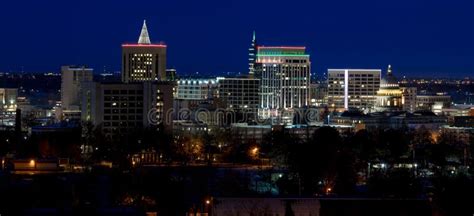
{"x": 32, "y": 163}
{"x": 254, "y": 151}
{"x": 328, "y": 190}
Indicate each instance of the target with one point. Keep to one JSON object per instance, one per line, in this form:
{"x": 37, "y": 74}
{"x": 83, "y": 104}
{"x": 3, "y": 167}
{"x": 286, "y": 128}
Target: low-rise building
{"x": 8, "y": 106}
{"x": 381, "y": 120}
{"x": 434, "y": 103}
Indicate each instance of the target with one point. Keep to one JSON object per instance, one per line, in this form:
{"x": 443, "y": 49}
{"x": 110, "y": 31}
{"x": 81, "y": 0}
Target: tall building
{"x": 119, "y": 107}
{"x": 143, "y": 61}
{"x": 252, "y": 55}
{"x": 389, "y": 96}
{"x": 284, "y": 74}
{"x": 240, "y": 94}
{"x": 71, "y": 85}
{"x": 353, "y": 88}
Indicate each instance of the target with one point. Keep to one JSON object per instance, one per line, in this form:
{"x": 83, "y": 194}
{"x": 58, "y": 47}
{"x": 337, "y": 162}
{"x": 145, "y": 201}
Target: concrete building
{"x": 266, "y": 206}
{"x": 196, "y": 89}
{"x": 240, "y": 94}
{"x": 383, "y": 120}
{"x": 143, "y": 61}
{"x": 460, "y": 135}
{"x": 119, "y": 107}
{"x": 171, "y": 74}
{"x": 433, "y": 103}
{"x": 318, "y": 94}
{"x": 409, "y": 98}
{"x": 71, "y": 89}
{"x": 353, "y": 88}
{"x": 284, "y": 74}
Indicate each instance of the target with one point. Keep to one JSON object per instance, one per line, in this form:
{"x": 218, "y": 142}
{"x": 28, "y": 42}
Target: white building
{"x": 195, "y": 89}
{"x": 353, "y": 88}
{"x": 284, "y": 74}
{"x": 71, "y": 88}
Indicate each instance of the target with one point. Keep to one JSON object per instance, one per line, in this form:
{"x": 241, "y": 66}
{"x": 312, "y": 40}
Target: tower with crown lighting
{"x": 143, "y": 61}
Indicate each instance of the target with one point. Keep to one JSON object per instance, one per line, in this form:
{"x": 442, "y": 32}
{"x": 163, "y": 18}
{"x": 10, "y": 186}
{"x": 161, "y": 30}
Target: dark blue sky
{"x": 418, "y": 37}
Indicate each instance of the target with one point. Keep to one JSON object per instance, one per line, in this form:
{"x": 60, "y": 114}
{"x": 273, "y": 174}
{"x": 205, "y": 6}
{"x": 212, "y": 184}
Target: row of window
{"x": 122, "y": 117}
{"x": 108, "y": 92}
{"x": 122, "y": 111}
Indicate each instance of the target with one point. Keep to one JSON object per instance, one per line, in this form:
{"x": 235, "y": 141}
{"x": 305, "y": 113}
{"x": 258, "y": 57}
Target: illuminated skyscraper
{"x": 143, "y": 61}
{"x": 284, "y": 74}
{"x": 252, "y": 55}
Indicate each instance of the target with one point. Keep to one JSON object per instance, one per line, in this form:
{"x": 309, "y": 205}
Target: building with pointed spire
{"x": 252, "y": 55}
{"x": 143, "y": 61}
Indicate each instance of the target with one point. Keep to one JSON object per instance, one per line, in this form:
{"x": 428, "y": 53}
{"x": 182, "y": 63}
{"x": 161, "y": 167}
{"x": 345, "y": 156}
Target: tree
{"x": 315, "y": 161}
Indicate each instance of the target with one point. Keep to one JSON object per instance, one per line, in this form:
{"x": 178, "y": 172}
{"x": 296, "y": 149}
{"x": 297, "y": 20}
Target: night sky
{"x": 418, "y": 37}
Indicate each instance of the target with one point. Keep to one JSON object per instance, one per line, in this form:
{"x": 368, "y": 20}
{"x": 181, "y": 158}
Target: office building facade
{"x": 353, "y": 88}
{"x": 118, "y": 107}
{"x": 433, "y": 102}
{"x": 284, "y": 74}
{"x": 409, "y": 98}
{"x": 196, "y": 89}
{"x": 240, "y": 94}
{"x": 71, "y": 86}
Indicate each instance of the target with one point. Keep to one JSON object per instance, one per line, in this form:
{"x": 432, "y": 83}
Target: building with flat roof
{"x": 240, "y": 95}
{"x": 72, "y": 78}
{"x": 284, "y": 74}
{"x": 196, "y": 89}
{"x": 353, "y": 88}
{"x": 143, "y": 61}
{"x": 409, "y": 98}
{"x": 435, "y": 102}
{"x": 120, "y": 107}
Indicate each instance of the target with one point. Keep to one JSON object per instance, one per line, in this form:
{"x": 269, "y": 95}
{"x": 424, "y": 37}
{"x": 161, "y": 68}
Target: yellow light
{"x": 32, "y": 163}
{"x": 328, "y": 190}
{"x": 208, "y": 202}
{"x": 255, "y": 150}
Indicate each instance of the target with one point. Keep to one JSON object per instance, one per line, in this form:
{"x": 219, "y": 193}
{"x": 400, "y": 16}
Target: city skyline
{"x": 412, "y": 36}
